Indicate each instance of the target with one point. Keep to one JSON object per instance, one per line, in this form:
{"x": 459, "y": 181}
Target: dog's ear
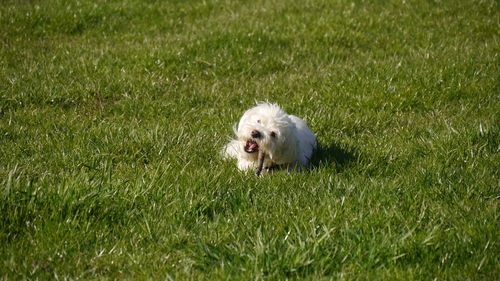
{"x": 287, "y": 145}
{"x": 235, "y": 128}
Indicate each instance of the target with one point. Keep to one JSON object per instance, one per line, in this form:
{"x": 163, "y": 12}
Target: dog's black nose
{"x": 255, "y": 134}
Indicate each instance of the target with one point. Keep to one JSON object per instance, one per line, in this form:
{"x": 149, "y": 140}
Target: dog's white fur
{"x": 285, "y": 139}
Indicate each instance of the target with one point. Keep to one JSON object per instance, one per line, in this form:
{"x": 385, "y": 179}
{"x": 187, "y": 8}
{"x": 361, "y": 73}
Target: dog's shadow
{"x": 333, "y": 153}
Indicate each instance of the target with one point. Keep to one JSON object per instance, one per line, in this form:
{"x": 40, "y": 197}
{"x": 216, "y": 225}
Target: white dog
{"x": 267, "y": 136}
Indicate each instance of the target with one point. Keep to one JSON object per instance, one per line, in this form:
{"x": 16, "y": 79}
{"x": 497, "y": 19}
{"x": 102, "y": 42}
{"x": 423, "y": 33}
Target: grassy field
{"x": 113, "y": 113}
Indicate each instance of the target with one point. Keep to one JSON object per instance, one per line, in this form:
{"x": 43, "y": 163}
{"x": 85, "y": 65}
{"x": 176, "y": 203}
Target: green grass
{"x": 112, "y": 116}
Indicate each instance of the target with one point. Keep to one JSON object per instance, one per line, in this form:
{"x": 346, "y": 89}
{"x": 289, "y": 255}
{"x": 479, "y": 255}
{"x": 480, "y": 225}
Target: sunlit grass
{"x": 112, "y": 116}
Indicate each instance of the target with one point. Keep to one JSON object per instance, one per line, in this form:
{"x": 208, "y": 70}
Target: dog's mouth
{"x": 251, "y": 146}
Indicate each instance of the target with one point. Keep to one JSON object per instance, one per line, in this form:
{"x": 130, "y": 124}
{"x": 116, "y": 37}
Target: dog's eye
{"x": 273, "y": 134}
{"x": 258, "y": 121}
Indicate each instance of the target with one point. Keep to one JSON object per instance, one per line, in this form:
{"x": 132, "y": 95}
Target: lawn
{"x": 113, "y": 115}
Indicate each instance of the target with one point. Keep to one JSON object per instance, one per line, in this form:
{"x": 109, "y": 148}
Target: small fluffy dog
{"x": 267, "y": 137}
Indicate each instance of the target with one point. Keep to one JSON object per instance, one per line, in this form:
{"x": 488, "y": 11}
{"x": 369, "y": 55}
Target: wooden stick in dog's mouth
{"x": 260, "y": 162}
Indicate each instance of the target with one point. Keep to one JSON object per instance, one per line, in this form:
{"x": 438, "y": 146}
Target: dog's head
{"x": 264, "y": 127}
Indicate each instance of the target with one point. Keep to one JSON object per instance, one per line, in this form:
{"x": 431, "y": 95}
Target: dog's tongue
{"x": 251, "y": 146}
